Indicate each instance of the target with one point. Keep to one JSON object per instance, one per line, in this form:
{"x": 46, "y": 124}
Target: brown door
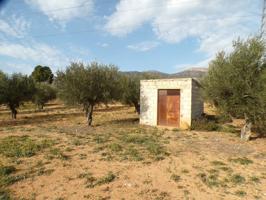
{"x": 169, "y": 107}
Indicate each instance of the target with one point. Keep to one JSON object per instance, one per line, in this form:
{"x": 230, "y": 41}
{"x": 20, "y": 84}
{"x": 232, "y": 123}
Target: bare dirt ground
{"x": 54, "y": 155}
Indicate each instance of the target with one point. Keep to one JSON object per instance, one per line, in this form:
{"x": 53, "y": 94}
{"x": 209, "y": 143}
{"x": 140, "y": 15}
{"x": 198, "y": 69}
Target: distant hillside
{"x": 152, "y": 73}
{"x": 189, "y": 73}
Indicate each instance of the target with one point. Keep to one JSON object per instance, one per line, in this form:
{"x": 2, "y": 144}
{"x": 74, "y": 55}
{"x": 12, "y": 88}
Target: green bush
{"x": 203, "y": 124}
{"x": 6, "y": 170}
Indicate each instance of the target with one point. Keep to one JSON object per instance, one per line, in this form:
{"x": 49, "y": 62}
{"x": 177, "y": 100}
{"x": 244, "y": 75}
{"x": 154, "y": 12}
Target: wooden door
{"x": 169, "y": 108}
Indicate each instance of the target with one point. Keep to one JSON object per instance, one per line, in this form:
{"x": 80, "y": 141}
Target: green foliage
{"x": 130, "y": 84}
{"x": 237, "y": 179}
{"x": 21, "y": 146}
{"x": 43, "y": 94}
{"x": 106, "y": 179}
{"x": 240, "y": 193}
{"x": 204, "y": 124}
{"x": 242, "y": 161}
{"x": 14, "y": 90}
{"x": 217, "y": 163}
{"x": 175, "y": 178}
{"x": 57, "y": 153}
{"x": 42, "y": 74}
{"x": 93, "y": 182}
{"x": 7, "y": 178}
{"x": 6, "y": 170}
{"x": 236, "y": 82}
{"x": 4, "y": 194}
{"x": 88, "y": 85}
{"x": 209, "y": 180}
{"x": 115, "y": 147}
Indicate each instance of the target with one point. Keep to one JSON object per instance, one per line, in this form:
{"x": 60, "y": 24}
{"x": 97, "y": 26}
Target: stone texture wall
{"x": 149, "y": 98}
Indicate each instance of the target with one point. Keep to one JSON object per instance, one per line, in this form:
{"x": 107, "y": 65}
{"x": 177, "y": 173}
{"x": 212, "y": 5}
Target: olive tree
{"x": 88, "y": 85}
{"x": 14, "y": 90}
{"x": 44, "y": 93}
{"x": 130, "y": 85}
{"x": 236, "y": 83}
{"x": 42, "y": 74}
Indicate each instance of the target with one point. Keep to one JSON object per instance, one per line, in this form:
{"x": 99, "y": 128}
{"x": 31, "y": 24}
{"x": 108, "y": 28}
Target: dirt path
{"x": 118, "y": 159}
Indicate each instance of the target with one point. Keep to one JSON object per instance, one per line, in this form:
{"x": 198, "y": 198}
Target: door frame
{"x": 178, "y": 125}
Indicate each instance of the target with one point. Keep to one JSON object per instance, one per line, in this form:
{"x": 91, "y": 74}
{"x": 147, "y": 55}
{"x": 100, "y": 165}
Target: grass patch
{"x": 237, "y": 179}
{"x": 240, "y": 193}
{"x": 185, "y": 171}
{"x": 105, "y": 179}
{"x": 255, "y": 179}
{"x": 6, "y": 177}
{"x": 141, "y": 139}
{"x": 209, "y": 180}
{"x": 89, "y": 179}
{"x": 135, "y": 144}
{"x": 241, "y": 161}
{"x": 100, "y": 139}
{"x": 4, "y": 194}
{"x": 225, "y": 169}
{"x": 22, "y": 146}
{"x": 217, "y": 163}
{"x": 175, "y": 178}
{"x": 228, "y": 129}
{"x": 93, "y": 182}
{"x": 115, "y": 147}
{"x": 76, "y": 142}
{"x": 132, "y": 154}
{"x": 9, "y": 180}
{"x": 204, "y": 124}
{"x": 6, "y": 170}
{"x": 43, "y": 171}
{"x": 57, "y": 153}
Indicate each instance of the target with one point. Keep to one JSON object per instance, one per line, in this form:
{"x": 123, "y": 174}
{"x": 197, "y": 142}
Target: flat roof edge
{"x": 167, "y": 79}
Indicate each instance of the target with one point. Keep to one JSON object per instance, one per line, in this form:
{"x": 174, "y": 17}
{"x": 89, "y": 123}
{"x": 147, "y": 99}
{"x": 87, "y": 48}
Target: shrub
{"x": 203, "y": 124}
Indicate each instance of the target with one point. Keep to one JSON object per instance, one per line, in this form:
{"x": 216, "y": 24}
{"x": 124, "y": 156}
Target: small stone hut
{"x": 170, "y": 102}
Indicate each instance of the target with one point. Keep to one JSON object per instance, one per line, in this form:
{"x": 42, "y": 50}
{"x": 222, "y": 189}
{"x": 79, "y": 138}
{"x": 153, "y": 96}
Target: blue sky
{"x": 164, "y": 35}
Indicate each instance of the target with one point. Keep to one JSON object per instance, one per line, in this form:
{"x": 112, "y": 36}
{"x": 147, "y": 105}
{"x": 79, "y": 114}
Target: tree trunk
{"x": 40, "y": 107}
{"x": 14, "y": 113}
{"x": 246, "y": 130}
{"x": 88, "y": 112}
{"x": 137, "y": 107}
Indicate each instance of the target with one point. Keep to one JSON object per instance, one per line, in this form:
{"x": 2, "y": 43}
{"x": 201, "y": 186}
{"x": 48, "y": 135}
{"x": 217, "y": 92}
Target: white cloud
{"x": 14, "y": 67}
{"x": 144, "y": 46}
{"x": 38, "y": 53}
{"x": 63, "y": 10}
{"x": 14, "y": 26}
{"x": 129, "y": 16}
{"x": 200, "y": 64}
{"x": 103, "y": 45}
{"x": 214, "y": 22}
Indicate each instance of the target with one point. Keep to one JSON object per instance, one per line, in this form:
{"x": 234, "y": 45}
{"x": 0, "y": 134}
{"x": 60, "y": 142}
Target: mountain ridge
{"x": 195, "y": 72}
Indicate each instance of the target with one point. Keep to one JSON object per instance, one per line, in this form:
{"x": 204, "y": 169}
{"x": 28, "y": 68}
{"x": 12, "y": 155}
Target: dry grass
{"x": 54, "y": 155}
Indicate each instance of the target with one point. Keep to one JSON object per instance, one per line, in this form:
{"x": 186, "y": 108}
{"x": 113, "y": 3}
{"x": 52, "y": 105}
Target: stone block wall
{"x": 149, "y": 99}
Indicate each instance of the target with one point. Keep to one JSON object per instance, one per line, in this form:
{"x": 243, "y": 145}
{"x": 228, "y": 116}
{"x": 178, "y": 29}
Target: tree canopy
{"x": 44, "y": 93}
{"x": 42, "y": 74}
{"x": 88, "y": 85}
{"x": 14, "y": 90}
{"x": 236, "y": 82}
{"x": 131, "y": 88}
